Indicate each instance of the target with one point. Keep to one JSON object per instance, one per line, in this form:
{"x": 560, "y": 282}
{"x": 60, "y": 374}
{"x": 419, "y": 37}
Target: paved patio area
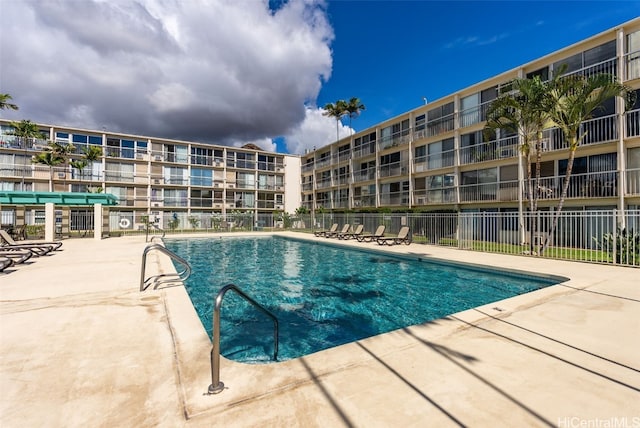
{"x": 81, "y": 346}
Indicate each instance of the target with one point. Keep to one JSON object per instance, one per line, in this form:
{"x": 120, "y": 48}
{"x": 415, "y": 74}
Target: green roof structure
{"x": 57, "y": 198}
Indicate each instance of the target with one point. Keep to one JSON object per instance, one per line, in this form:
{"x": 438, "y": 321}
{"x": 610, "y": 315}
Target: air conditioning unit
{"x": 62, "y": 175}
{"x": 139, "y": 156}
{"x": 279, "y": 169}
{"x": 421, "y": 201}
{"x": 40, "y": 147}
{"x": 279, "y": 187}
{"x": 230, "y": 185}
{"x": 156, "y": 204}
{"x": 279, "y": 207}
{"x": 157, "y": 157}
{"x": 156, "y": 181}
{"x": 217, "y": 205}
{"x": 216, "y": 184}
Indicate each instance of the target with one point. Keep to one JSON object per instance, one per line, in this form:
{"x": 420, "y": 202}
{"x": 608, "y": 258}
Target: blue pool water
{"x": 324, "y": 295}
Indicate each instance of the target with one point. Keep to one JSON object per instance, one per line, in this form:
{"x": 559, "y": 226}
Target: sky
{"x": 233, "y": 72}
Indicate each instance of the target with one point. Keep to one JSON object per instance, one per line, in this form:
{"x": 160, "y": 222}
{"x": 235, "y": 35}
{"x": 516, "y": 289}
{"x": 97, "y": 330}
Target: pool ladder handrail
{"x": 217, "y": 386}
{"x": 156, "y": 227}
{"x": 158, "y": 280}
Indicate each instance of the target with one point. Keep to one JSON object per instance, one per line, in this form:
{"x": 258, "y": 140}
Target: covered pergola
{"x": 21, "y": 202}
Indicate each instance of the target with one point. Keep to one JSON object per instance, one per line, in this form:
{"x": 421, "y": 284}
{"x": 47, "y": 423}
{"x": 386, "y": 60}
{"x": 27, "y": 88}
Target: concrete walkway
{"x": 81, "y": 346}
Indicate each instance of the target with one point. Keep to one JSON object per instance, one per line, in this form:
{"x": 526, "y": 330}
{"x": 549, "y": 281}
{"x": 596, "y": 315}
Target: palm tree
{"x": 336, "y": 110}
{"x": 90, "y": 155}
{"x": 523, "y": 112}
{"x": 51, "y": 159}
{"x": 24, "y": 130}
{"x": 64, "y": 151}
{"x": 572, "y": 100}
{"x": 353, "y": 109}
{"x": 5, "y": 104}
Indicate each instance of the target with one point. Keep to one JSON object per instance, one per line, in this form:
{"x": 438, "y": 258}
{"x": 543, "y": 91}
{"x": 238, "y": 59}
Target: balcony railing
{"x": 395, "y": 198}
{"x": 364, "y": 201}
{"x": 479, "y": 192}
{"x": 434, "y": 196}
{"x": 323, "y": 184}
{"x": 609, "y": 66}
{"x": 364, "y": 175}
{"x": 490, "y": 150}
{"x": 393, "y": 169}
{"x": 589, "y": 185}
{"x": 364, "y": 150}
{"x": 474, "y": 115}
{"x": 307, "y": 167}
{"x": 633, "y": 123}
{"x": 322, "y": 162}
{"x": 599, "y": 130}
{"x": 632, "y": 62}
{"x": 395, "y": 140}
{"x": 307, "y": 187}
{"x": 441, "y": 125}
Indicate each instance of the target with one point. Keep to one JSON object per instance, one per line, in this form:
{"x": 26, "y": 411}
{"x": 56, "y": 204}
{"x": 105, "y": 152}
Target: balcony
{"x": 609, "y": 66}
{"x": 307, "y": 167}
{"x": 479, "y": 192}
{"x": 322, "y": 162}
{"x": 394, "y": 198}
{"x": 441, "y": 125}
{"x": 633, "y": 123}
{"x": 491, "y": 150}
{"x": 633, "y": 182}
{"x": 395, "y": 140}
{"x": 632, "y": 62}
{"x": 589, "y": 185}
{"x": 364, "y": 150}
{"x": 323, "y": 184}
{"x": 306, "y": 187}
{"x": 368, "y": 174}
{"x": 393, "y": 169}
{"x": 434, "y": 196}
{"x": 596, "y": 131}
{"x": 364, "y": 201}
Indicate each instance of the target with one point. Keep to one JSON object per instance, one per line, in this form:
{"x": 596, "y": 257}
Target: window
{"x": 470, "y": 113}
{"x": 201, "y": 156}
{"x": 175, "y": 175}
{"x": 201, "y": 177}
{"x": 441, "y": 154}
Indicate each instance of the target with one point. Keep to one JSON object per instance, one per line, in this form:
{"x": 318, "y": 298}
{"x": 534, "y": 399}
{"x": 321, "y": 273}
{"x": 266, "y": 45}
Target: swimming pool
{"x": 325, "y": 295}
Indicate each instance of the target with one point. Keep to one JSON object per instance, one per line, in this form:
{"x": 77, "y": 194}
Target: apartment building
{"x": 151, "y": 176}
{"x": 437, "y": 157}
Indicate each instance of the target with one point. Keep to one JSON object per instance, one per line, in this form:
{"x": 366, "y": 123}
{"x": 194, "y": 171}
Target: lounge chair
{"x": 9, "y": 240}
{"x": 36, "y": 249}
{"x": 18, "y": 256}
{"x": 333, "y": 228}
{"x": 352, "y": 235}
{"x": 344, "y": 230}
{"x": 368, "y": 237}
{"x": 5, "y": 262}
{"x": 402, "y": 238}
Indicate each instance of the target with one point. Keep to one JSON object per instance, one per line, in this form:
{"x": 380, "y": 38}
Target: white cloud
{"x": 315, "y": 131}
{"x": 219, "y": 71}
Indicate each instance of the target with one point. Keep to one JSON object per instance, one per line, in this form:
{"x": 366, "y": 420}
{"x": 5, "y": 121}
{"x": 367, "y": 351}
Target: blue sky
{"x": 234, "y": 72}
{"x": 391, "y": 54}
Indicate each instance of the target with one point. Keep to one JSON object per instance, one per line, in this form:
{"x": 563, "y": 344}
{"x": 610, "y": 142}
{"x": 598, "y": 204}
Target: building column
{"x": 49, "y": 221}
{"x": 97, "y": 221}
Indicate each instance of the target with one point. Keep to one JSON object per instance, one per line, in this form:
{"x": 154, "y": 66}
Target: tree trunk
{"x": 563, "y": 195}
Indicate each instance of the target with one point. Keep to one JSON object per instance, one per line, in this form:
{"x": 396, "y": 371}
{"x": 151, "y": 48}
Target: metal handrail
{"x": 157, "y": 280}
{"x": 156, "y": 227}
{"x": 217, "y": 386}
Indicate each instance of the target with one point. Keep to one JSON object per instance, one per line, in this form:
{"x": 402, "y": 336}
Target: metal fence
{"x": 603, "y": 236}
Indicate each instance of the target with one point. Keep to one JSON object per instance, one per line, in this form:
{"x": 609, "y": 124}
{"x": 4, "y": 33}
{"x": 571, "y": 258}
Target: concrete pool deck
{"x": 81, "y": 346}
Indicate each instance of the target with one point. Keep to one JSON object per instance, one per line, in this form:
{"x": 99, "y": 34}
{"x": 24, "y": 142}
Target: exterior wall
{"x": 292, "y": 187}
{"x": 436, "y": 157}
